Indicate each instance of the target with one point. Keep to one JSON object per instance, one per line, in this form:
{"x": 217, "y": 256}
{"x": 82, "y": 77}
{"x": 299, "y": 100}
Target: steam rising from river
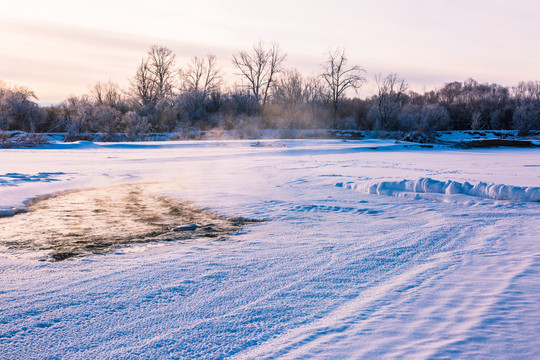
{"x": 83, "y": 222}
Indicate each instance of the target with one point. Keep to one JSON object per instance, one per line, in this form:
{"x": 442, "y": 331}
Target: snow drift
{"x": 428, "y": 185}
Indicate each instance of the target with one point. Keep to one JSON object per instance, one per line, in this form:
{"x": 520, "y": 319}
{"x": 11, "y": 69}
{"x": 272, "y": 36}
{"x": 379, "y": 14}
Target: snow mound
{"x": 430, "y": 186}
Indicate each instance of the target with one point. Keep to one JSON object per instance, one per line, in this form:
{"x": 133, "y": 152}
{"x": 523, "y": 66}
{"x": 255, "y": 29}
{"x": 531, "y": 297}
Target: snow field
{"x": 333, "y": 273}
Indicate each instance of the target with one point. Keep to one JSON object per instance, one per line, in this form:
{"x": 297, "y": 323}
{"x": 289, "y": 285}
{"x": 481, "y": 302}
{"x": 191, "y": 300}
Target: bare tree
{"x": 202, "y": 75}
{"x": 313, "y": 89}
{"x": 107, "y": 93}
{"x": 293, "y": 88}
{"x": 289, "y": 89}
{"x": 390, "y": 87}
{"x": 339, "y": 78}
{"x": 300, "y": 99}
{"x": 260, "y": 68}
{"x": 155, "y": 77}
{"x": 162, "y": 66}
{"x": 142, "y": 85}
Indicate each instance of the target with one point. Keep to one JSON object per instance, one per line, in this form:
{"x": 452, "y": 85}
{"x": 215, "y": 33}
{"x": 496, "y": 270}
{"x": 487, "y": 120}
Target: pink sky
{"x": 58, "y": 47}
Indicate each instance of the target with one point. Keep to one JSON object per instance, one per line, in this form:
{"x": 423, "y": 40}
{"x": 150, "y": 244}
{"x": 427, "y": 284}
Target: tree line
{"x": 165, "y": 97}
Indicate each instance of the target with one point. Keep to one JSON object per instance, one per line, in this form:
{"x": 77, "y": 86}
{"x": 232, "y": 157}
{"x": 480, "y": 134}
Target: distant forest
{"x": 165, "y": 97}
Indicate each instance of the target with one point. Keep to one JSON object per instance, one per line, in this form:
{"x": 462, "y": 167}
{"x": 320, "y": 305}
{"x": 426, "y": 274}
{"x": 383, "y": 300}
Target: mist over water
{"x": 77, "y": 223}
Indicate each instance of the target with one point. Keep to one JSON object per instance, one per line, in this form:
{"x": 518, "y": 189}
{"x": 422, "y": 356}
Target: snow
{"x": 427, "y": 185}
{"x": 448, "y": 267}
{"x": 475, "y": 135}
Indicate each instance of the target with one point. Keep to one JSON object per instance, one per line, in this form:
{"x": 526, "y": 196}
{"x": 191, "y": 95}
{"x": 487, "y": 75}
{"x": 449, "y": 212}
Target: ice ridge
{"x": 428, "y": 185}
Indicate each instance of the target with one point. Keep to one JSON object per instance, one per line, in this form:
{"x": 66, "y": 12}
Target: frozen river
{"x": 369, "y": 249}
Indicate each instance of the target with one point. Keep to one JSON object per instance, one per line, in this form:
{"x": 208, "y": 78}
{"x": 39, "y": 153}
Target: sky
{"x": 60, "y": 48}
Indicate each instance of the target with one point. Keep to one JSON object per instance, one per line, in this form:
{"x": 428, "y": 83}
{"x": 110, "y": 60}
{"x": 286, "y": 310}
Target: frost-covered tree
{"x": 527, "y": 113}
{"x": 191, "y": 106}
{"x": 526, "y": 118}
{"x": 78, "y": 113}
{"x": 106, "y": 120}
{"x": 135, "y": 126}
{"x": 434, "y": 117}
{"x": 18, "y": 110}
{"x": 474, "y": 105}
{"x": 527, "y": 91}
{"x": 386, "y": 105}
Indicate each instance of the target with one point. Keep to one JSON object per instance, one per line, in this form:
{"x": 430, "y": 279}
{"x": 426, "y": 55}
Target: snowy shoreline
{"x": 460, "y": 139}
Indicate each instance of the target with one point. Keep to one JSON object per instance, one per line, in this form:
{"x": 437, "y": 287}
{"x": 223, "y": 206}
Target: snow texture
{"x": 427, "y": 185}
{"x": 331, "y": 274}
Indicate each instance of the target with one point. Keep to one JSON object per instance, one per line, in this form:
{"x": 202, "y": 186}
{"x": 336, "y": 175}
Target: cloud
{"x": 56, "y": 60}
{"x": 428, "y": 43}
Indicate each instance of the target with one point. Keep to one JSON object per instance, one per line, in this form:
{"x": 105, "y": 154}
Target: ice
{"x": 331, "y": 273}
